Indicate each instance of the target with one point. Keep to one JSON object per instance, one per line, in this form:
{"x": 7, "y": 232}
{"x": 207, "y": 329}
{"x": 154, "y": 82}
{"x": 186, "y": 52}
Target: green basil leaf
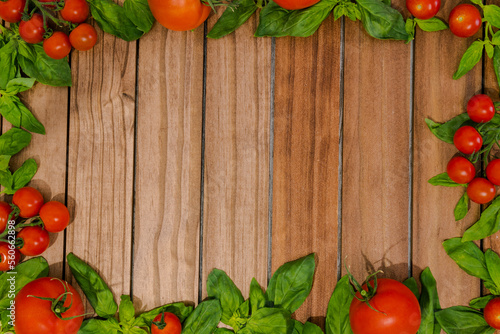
{"x": 126, "y": 309}
{"x": 95, "y": 326}
{"x": 221, "y": 287}
{"x": 97, "y": 291}
{"x": 410, "y": 29}
{"x": 23, "y": 175}
{"x": 233, "y": 18}
{"x": 492, "y": 15}
{"x": 18, "y": 85}
{"x": 13, "y": 141}
{"x": 496, "y": 63}
{"x": 337, "y": 314}
{"x": 382, "y": 21}
{"x": 8, "y": 66}
{"x": 429, "y": 303}
{"x": 443, "y": 180}
{"x": 179, "y": 309}
{"x": 310, "y": 328}
{"x": 339, "y": 11}
{"x": 204, "y": 319}
{"x": 490, "y": 51}
{"x": 113, "y": 19}
{"x": 136, "y": 330}
{"x": 446, "y": 131}
{"x": 463, "y": 320}
{"x": 18, "y": 115}
{"x": 270, "y": 320}
{"x": 468, "y": 257}
{"x": 7, "y": 322}
{"x": 470, "y": 58}
{"x": 257, "y": 296}
{"x": 298, "y": 327}
{"x": 224, "y": 330}
{"x": 432, "y": 24}
{"x": 462, "y": 207}
{"x": 4, "y": 162}
{"x": 240, "y": 316}
{"x": 411, "y": 283}
{"x": 7, "y": 181}
{"x": 139, "y": 13}
{"x": 292, "y": 283}
{"x": 493, "y": 266}
{"x": 488, "y": 223}
{"x": 480, "y": 303}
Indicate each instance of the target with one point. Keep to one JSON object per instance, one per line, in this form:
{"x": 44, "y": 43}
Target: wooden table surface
{"x": 177, "y": 154}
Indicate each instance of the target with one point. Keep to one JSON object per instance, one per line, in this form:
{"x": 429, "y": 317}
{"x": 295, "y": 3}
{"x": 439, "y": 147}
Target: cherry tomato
{"x": 179, "y": 15}
{"x": 465, "y": 20}
{"x": 461, "y": 170}
{"x": 12, "y": 10}
{"x": 36, "y": 240}
{"x": 83, "y": 37}
{"x": 32, "y": 31}
{"x": 57, "y": 46}
{"x": 423, "y": 9}
{"x": 295, "y": 4}
{"x": 493, "y": 172}
{"x": 480, "y": 108}
{"x": 75, "y": 11}
{"x": 481, "y": 191}
{"x": 467, "y": 140}
{"x": 9, "y": 256}
{"x": 34, "y": 315}
{"x": 29, "y": 201}
{"x": 401, "y": 308}
{"x": 169, "y": 324}
{"x": 492, "y": 313}
{"x": 5, "y": 210}
{"x": 55, "y": 216}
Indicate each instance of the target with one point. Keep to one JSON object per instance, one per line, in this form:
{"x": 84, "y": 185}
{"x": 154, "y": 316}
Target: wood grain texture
{"x": 439, "y": 97}
{"x": 168, "y": 179}
{"x": 101, "y": 159}
{"x": 306, "y": 158}
{"x": 376, "y": 154}
{"x": 236, "y": 188}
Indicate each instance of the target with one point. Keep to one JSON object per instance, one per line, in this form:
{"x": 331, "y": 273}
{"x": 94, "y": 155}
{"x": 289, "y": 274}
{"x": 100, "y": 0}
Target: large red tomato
{"x": 179, "y": 15}
{"x": 399, "y": 311}
{"x": 34, "y": 315}
{"x": 295, "y": 4}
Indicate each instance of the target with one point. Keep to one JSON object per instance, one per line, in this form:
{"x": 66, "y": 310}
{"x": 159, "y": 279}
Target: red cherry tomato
{"x": 465, "y": 20}
{"x": 36, "y": 240}
{"x": 55, "y": 216}
{"x": 179, "y": 15}
{"x": 423, "y": 9}
{"x": 170, "y": 324}
{"x": 481, "y": 191}
{"x": 9, "y": 256}
{"x": 83, "y": 37}
{"x": 295, "y": 4}
{"x": 461, "y": 170}
{"x": 12, "y": 10}
{"x": 480, "y": 108}
{"x": 5, "y": 210}
{"x": 75, "y": 11}
{"x": 467, "y": 140}
{"x": 493, "y": 172}
{"x": 29, "y": 201}
{"x": 32, "y": 31}
{"x": 57, "y": 46}
{"x": 492, "y": 313}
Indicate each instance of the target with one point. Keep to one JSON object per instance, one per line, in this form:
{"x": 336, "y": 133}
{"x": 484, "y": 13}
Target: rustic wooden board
{"x": 439, "y": 97}
{"x": 306, "y": 158}
{"x": 168, "y": 167}
{"x": 236, "y": 176}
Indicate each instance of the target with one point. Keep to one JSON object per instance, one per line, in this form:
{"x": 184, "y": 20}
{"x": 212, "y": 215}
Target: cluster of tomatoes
{"x": 33, "y": 27}
{"x": 34, "y": 219}
{"x": 469, "y": 141}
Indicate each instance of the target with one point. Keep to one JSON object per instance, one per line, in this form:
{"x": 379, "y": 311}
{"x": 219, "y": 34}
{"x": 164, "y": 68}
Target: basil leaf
{"x": 429, "y": 303}
{"x": 221, "y": 287}
{"x": 277, "y": 22}
{"x": 446, "y": 131}
{"x": 95, "y": 326}
{"x": 432, "y": 24}
{"x": 462, "y": 207}
{"x": 204, "y": 319}
{"x": 488, "y": 223}
{"x": 480, "y": 303}
{"x": 126, "y": 309}
{"x": 4, "y": 162}
{"x": 113, "y": 19}
{"x": 257, "y": 296}
{"x": 179, "y": 309}
{"x": 410, "y": 29}
{"x": 381, "y": 20}
{"x": 337, "y": 314}
{"x": 292, "y": 283}
{"x": 489, "y": 49}
{"x": 240, "y": 316}
{"x": 139, "y": 13}
{"x": 13, "y": 141}
{"x": 18, "y": 85}
{"x": 224, "y": 330}
{"x": 7, "y": 181}
{"x": 18, "y": 115}
{"x": 24, "y": 174}
{"x": 94, "y": 287}
{"x": 270, "y": 320}
{"x": 310, "y": 328}
{"x": 8, "y": 66}
{"x": 471, "y": 57}
{"x": 492, "y": 15}
{"x": 411, "y": 283}
{"x": 298, "y": 327}
{"x": 462, "y": 320}
{"x": 493, "y": 266}
{"x": 233, "y": 18}
{"x": 443, "y": 180}
{"x": 468, "y": 257}
{"x": 496, "y": 63}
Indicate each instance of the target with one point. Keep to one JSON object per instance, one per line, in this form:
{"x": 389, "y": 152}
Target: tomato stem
{"x": 161, "y": 324}
{"x": 365, "y": 295}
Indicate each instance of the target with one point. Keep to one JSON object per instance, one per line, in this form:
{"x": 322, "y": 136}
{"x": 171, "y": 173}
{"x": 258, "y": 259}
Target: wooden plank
{"x": 376, "y": 153}
{"x": 169, "y": 128}
{"x": 236, "y": 188}
{"x": 101, "y": 158}
{"x": 305, "y": 176}
{"x": 439, "y": 97}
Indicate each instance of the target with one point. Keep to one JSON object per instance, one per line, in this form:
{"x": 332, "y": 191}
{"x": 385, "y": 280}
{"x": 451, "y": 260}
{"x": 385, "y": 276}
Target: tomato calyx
{"x": 160, "y": 324}
{"x": 366, "y": 295}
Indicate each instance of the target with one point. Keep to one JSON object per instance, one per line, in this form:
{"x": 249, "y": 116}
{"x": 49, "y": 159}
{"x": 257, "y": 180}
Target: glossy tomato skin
{"x": 83, "y": 37}
{"x": 423, "y": 9}
{"x": 481, "y": 191}
{"x": 36, "y": 240}
{"x": 179, "y": 15}
{"x": 34, "y": 315}
{"x": 5, "y": 210}
{"x": 465, "y": 20}
{"x": 75, "y": 11}
{"x": 55, "y": 216}
{"x": 467, "y": 140}
{"x": 173, "y": 324}
{"x": 492, "y": 313}
{"x": 29, "y": 201}
{"x": 401, "y": 308}
{"x": 461, "y": 170}
{"x": 493, "y": 171}
{"x": 295, "y": 4}
{"x": 480, "y": 108}
{"x": 32, "y": 31}
{"x": 12, "y": 10}
{"x": 9, "y": 257}
{"x": 57, "y": 46}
